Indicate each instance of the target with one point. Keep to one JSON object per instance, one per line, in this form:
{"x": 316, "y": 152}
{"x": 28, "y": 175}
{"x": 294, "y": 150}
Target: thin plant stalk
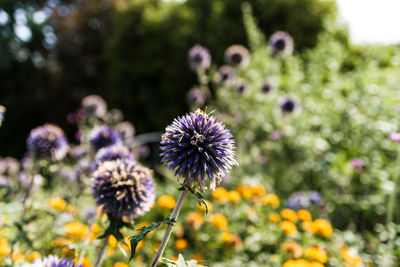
{"x": 101, "y": 253}
{"x": 85, "y": 244}
{"x": 392, "y": 197}
{"x": 29, "y": 190}
{"x": 167, "y": 234}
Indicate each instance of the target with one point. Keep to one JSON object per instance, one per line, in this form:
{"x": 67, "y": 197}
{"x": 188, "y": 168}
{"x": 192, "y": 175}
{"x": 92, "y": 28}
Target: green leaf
{"x": 198, "y": 195}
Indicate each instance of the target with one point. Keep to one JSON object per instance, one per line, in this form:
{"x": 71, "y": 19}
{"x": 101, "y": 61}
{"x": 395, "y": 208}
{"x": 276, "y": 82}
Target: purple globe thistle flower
{"x": 114, "y": 116}
{"x": 84, "y": 168}
{"x": 357, "y": 163}
{"x": 103, "y": 136}
{"x": 111, "y": 153}
{"x": 199, "y": 57}
{"x": 54, "y": 261}
{"x": 237, "y": 56}
{"x": 225, "y": 74}
{"x": 242, "y": 87}
{"x": 48, "y": 142}
{"x": 281, "y": 43}
{"x": 124, "y": 188}
{"x": 126, "y": 130}
{"x": 315, "y": 197}
{"x": 2, "y": 111}
{"x": 267, "y": 87}
{"x": 288, "y": 105}
{"x": 198, "y": 145}
{"x": 196, "y": 97}
{"x": 95, "y": 105}
{"x": 77, "y": 152}
{"x": 298, "y": 200}
{"x": 395, "y": 137}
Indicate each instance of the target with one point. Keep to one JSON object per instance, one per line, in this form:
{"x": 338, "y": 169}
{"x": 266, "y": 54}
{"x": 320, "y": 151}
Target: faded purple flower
{"x": 113, "y": 153}
{"x": 126, "y": 130}
{"x": 395, "y": 137}
{"x": 241, "y": 87}
{"x": 95, "y": 105}
{"x": 288, "y": 105}
{"x": 199, "y": 57}
{"x": 198, "y": 145}
{"x": 267, "y": 87}
{"x": 225, "y": 74}
{"x": 54, "y": 261}
{"x": 315, "y": 197}
{"x": 124, "y": 188}
{"x": 48, "y": 142}
{"x": 275, "y": 135}
{"x": 281, "y": 43}
{"x": 237, "y": 56}
{"x": 77, "y": 151}
{"x": 196, "y": 97}
{"x": 103, "y": 136}
{"x": 300, "y": 200}
{"x": 357, "y": 163}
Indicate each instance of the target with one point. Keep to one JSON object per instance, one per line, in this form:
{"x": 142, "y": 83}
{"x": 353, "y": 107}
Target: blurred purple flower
{"x": 103, "y": 136}
{"x": 288, "y": 105}
{"x": 267, "y": 87}
{"x": 395, "y": 137}
{"x": 357, "y": 163}
{"x": 95, "y": 105}
{"x": 199, "y": 57}
{"x": 225, "y": 74}
{"x": 281, "y": 43}
{"x": 196, "y": 97}
{"x": 242, "y": 87}
{"x": 81, "y": 113}
{"x": 111, "y": 153}
{"x": 315, "y": 197}
{"x": 54, "y": 261}
{"x": 276, "y": 135}
{"x": 126, "y": 130}
{"x": 237, "y": 56}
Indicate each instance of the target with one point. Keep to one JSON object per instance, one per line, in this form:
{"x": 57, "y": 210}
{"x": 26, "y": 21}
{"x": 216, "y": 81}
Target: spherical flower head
{"x": 298, "y": 200}
{"x": 198, "y": 145}
{"x": 103, "y": 136}
{"x": 395, "y": 137}
{"x": 267, "y": 87}
{"x": 48, "y": 142}
{"x": 315, "y": 197}
{"x": 124, "y": 188}
{"x": 95, "y": 105}
{"x": 196, "y": 97}
{"x": 225, "y": 74}
{"x": 126, "y": 130}
{"x": 199, "y": 57}
{"x": 288, "y": 105}
{"x": 241, "y": 87}
{"x": 237, "y": 56}
{"x": 2, "y": 111}
{"x": 111, "y": 153}
{"x": 54, "y": 261}
{"x": 281, "y": 43}
{"x": 357, "y": 163}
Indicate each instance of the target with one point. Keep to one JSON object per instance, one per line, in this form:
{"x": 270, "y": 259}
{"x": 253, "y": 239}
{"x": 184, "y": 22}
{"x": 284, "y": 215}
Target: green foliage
{"x": 181, "y": 262}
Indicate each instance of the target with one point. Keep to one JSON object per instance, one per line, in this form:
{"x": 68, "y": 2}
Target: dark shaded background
{"x": 133, "y": 53}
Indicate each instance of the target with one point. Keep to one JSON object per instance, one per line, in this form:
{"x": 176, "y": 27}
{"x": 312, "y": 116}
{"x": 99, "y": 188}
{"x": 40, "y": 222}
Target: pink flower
{"x": 357, "y": 163}
{"x": 81, "y": 113}
{"x": 275, "y": 135}
{"x": 395, "y": 137}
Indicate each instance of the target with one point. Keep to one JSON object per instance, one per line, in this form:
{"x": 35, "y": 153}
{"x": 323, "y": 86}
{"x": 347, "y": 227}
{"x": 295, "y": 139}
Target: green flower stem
{"x": 101, "y": 253}
{"x": 167, "y": 234}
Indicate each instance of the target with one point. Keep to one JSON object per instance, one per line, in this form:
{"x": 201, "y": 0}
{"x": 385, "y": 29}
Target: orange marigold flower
{"x": 274, "y": 217}
{"x": 61, "y": 242}
{"x": 33, "y": 256}
{"x": 304, "y": 215}
{"x": 181, "y": 244}
{"x": 298, "y": 263}
{"x": 219, "y": 221}
{"x": 321, "y": 227}
{"x": 288, "y": 228}
{"x": 76, "y": 229}
{"x": 220, "y": 194}
{"x": 58, "y": 203}
{"x": 120, "y": 264}
{"x": 350, "y": 257}
{"x": 202, "y": 208}
{"x": 166, "y": 202}
{"x": 317, "y": 254}
{"x": 290, "y": 215}
{"x": 85, "y": 262}
{"x": 234, "y": 196}
{"x": 173, "y": 258}
{"x": 195, "y": 220}
{"x": 270, "y": 200}
{"x": 233, "y": 241}
{"x": 198, "y": 257}
{"x": 258, "y": 190}
{"x": 244, "y": 190}
{"x": 112, "y": 241}
{"x": 17, "y": 257}
{"x": 293, "y": 249}
{"x": 5, "y": 248}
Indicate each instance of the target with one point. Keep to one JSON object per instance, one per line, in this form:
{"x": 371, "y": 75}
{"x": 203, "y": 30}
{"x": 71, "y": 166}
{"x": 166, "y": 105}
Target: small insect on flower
{"x": 199, "y": 57}
{"x": 196, "y": 97}
{"x": 288, "y": 105}
{"x": 111, "y": 153}
{"x": 124, "y": 188}
{"x": 2, "y": 111}
{"x": 237, "y": 56}
{"x": 103, "y": 136}
{"x": 198, "y": 145}
{"x": 281, "y": 43}
{"x": 54, "y": 261}
{"x": 48, "y": 142}
{"x": 95, "y": 105}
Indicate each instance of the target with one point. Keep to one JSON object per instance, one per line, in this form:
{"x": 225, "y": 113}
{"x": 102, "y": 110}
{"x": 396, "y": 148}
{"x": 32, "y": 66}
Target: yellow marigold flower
{"x": 198, "y": 257}
{"x": 234, "y": 196}
{"x": 93, "y": 231}
{"x": 244, "y": 190}
{"x": 112, "y": 241}
{"x": 76, "y": 229}
{"x": 17, "y": 257}
{"x": 181, "y": 244}
{"x": 274, "y": 217}
{"x": 297, "y": 263}
{"x": 316, "y": 254}
{"x": 120, "y": 264}
{"x": 166, "y": 202}
{"x": 304, "y": 215}
{"x": 85, "y": 262}
{"x": 315, "y": 264}
{"x": 321, "y": 227}
{"x": 350, "y": 258}
{"x": 58, "y": 203}
{"x": 61, "y": 242}
{"x": 270, "y": 200}
{"x": 258, "y": 190}
{"x": 195, "y": 220}
{"x": 33, "y": 256}
{"x": 99, "y": 211}
{"x": 173, "y": 258}
{"x": 290, "y": 215}
{"x": 5, "y": 248}
{"x": 220, "y": 194}
{"x": 288, "y": 228}
{"x": 293, "y": 249}
{"x": 202, "y": 208}
{"x": 219, "y": 221}
{"x": 231, "y": 240}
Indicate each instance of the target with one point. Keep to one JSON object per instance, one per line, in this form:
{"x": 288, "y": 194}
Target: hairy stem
{"x": 167, "y": 234}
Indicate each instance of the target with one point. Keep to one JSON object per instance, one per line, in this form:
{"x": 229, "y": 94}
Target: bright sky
{"x": 371, "y": 21}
